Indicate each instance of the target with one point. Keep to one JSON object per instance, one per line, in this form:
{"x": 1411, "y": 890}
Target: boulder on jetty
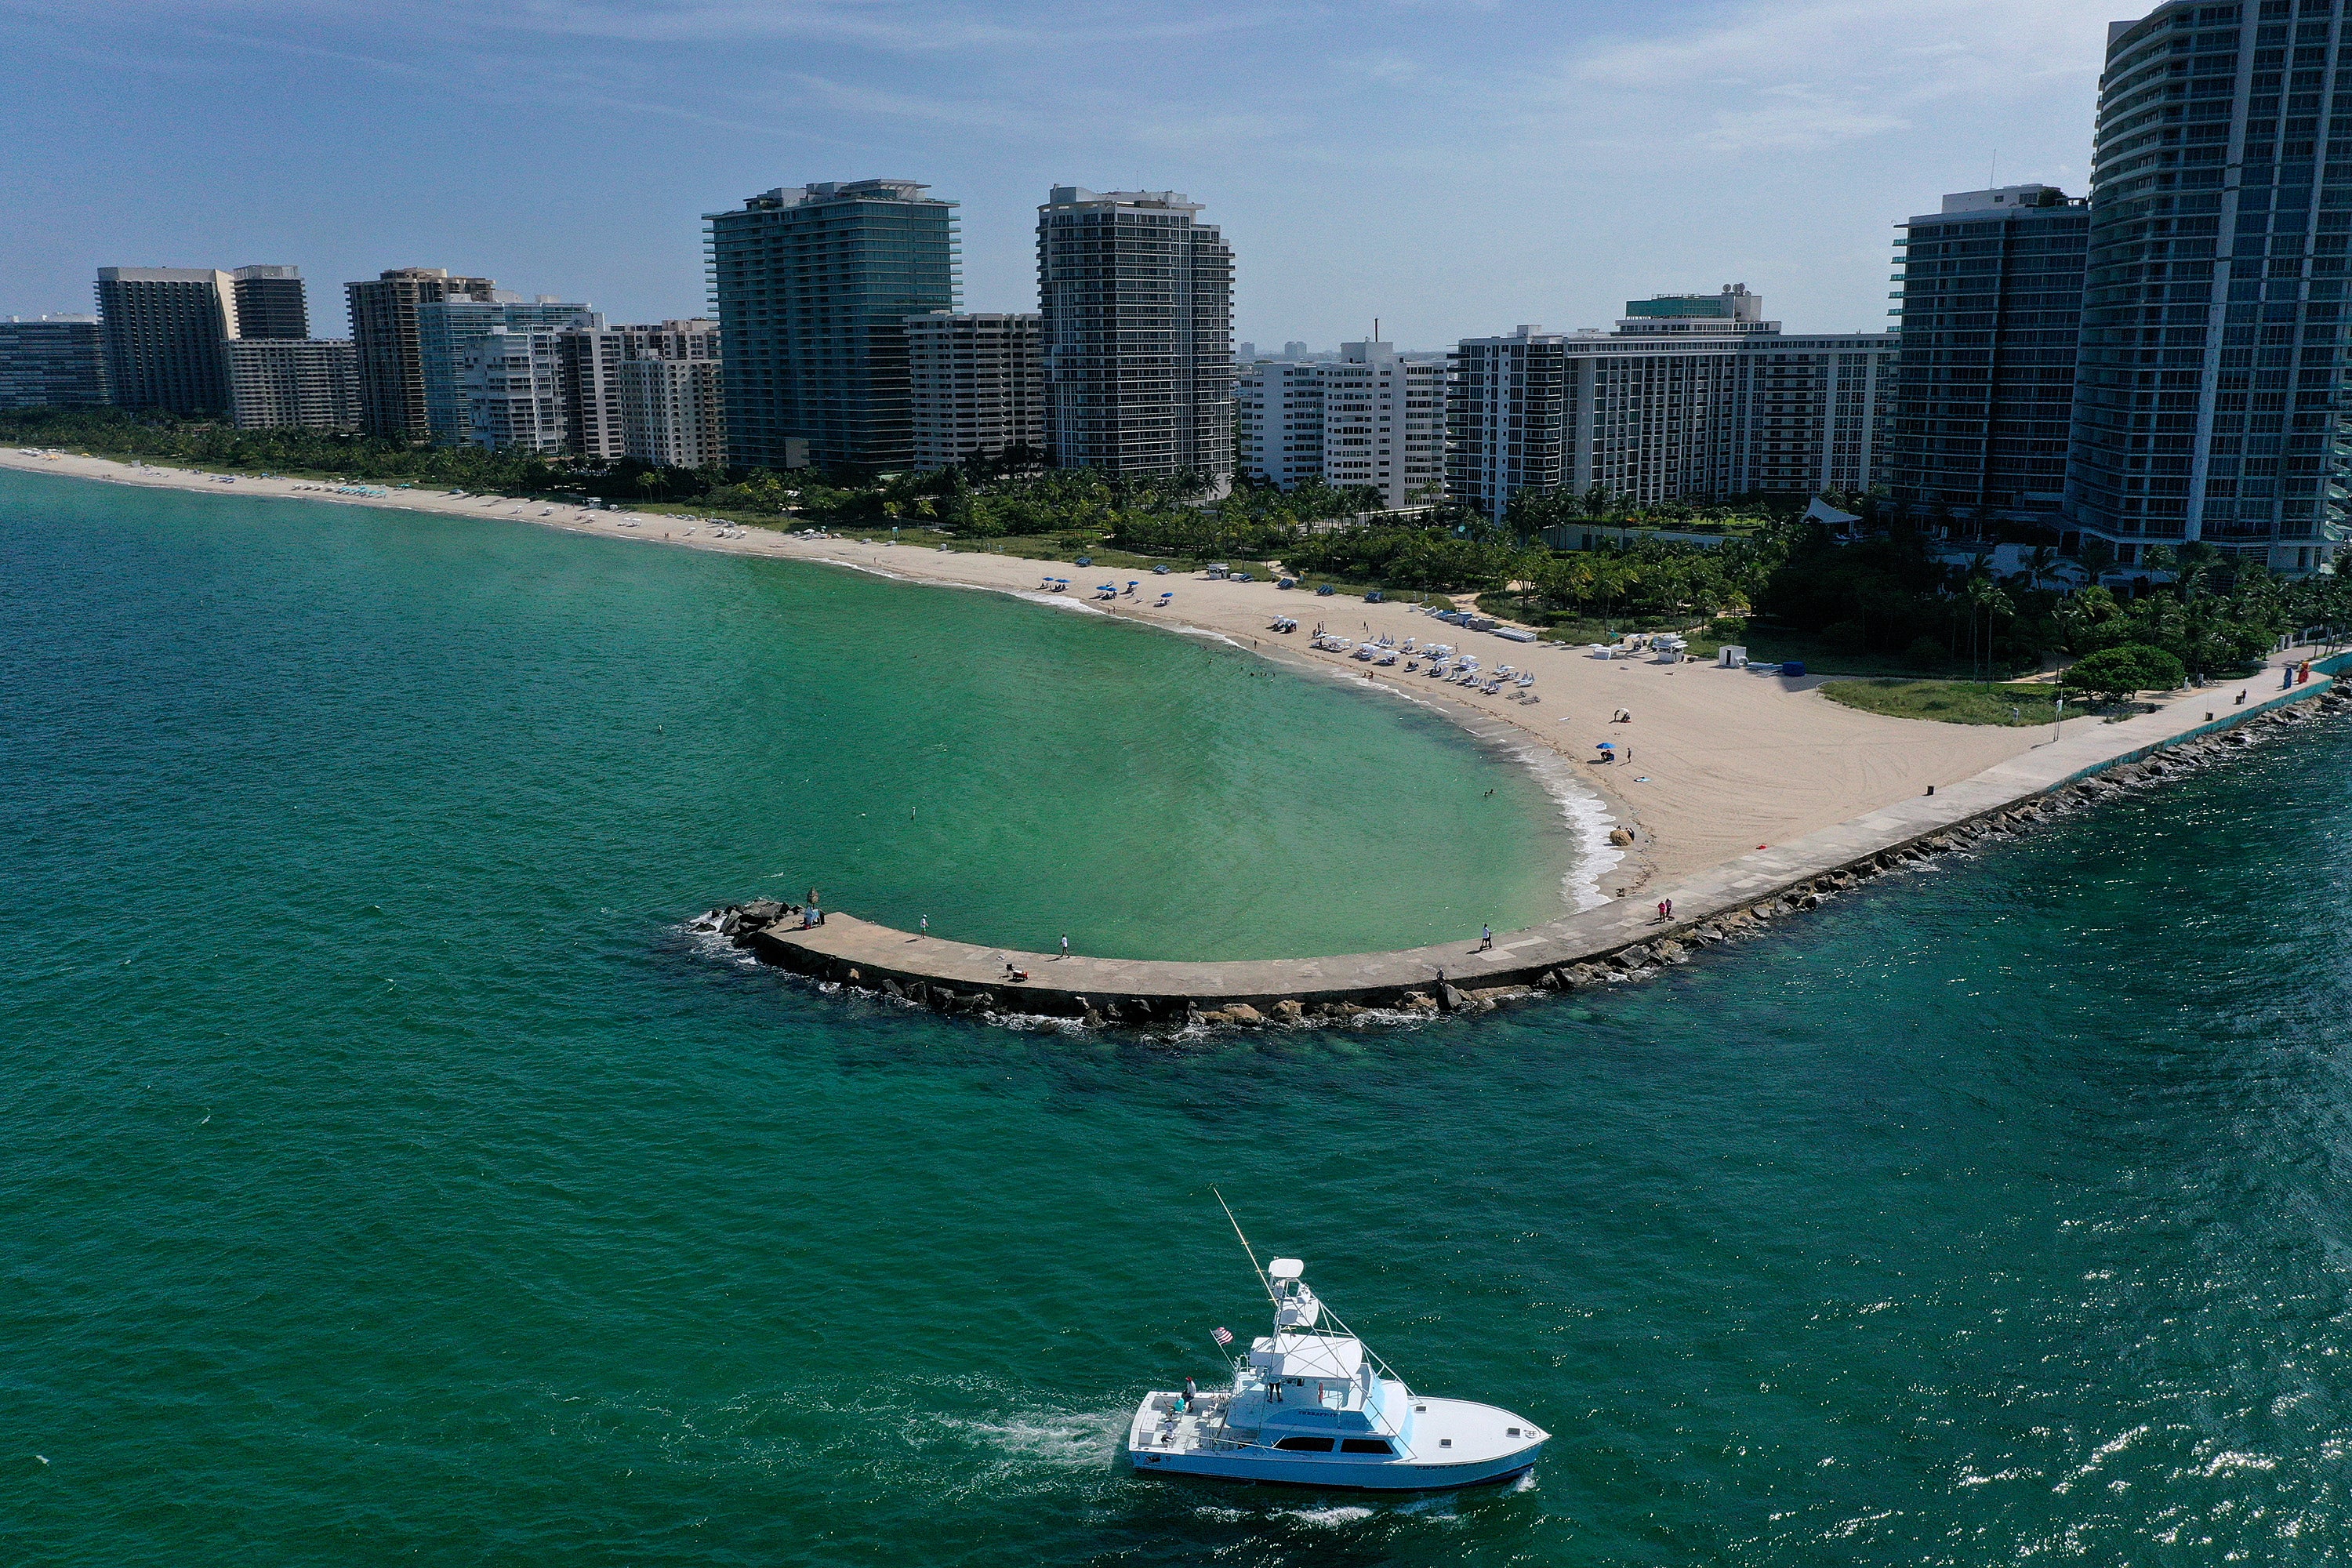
{"x": 1418, "y": 1002}
{"x": 1242, "y": 1013}
{"x": 1449, "y": 998}
{"x": 1290, "y": 1011}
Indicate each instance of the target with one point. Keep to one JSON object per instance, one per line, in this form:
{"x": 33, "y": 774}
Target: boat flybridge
{"x": 1311, "y": 1407}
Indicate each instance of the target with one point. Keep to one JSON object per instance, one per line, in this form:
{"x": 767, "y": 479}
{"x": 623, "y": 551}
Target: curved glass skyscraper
{"x": 2213, "y": 345}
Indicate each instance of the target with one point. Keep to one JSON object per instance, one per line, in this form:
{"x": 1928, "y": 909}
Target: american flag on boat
{"x": 1221, "y": 1336}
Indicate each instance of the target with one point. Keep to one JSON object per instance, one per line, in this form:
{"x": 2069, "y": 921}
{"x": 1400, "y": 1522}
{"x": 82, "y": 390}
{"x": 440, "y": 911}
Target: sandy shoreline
{"x": 1722, "y": 762}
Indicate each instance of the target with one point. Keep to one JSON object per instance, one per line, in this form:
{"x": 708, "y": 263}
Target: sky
{"x": 1453, "y": 168}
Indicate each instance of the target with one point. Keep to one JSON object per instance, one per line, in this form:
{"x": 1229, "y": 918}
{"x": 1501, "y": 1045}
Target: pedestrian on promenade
{"x": 1666, "y": 908}
{"x": 1485, "y": 938}
{"x": 1066, "y": 945}
{"x": 924, "y": 924}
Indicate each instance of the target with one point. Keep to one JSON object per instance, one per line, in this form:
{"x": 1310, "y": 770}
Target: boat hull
{"x": 1339, "y": 1474}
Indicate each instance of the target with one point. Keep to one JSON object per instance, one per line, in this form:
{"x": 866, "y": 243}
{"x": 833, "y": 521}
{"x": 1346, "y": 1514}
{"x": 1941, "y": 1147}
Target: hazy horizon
{"x": 1452, "y": 169}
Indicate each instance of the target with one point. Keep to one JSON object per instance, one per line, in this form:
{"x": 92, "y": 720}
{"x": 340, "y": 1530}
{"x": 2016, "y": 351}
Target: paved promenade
{"x": 864, "y": 954}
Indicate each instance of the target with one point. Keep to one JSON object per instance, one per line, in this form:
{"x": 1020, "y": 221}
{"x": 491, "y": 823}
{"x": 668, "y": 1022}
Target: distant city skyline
{"x": 1453, "y": 170}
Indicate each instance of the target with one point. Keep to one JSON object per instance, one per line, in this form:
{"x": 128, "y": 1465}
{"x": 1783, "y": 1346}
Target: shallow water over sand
{"x": 390, "y": 1178}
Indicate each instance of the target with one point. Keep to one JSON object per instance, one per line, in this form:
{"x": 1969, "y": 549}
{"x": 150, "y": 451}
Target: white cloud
{"x": 1780, "y": 77}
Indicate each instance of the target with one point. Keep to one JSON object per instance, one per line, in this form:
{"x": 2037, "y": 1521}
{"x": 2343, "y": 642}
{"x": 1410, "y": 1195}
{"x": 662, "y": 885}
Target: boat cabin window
{"x": 1306, "y": 1445}
{"x": 1365, "y": 1446}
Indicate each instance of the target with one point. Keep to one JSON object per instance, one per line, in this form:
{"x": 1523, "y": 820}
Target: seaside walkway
{"x": 861, "y": 953}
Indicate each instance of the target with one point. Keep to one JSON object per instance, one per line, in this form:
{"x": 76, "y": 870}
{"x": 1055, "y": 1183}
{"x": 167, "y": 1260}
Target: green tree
{"x": 2123, "y": 671}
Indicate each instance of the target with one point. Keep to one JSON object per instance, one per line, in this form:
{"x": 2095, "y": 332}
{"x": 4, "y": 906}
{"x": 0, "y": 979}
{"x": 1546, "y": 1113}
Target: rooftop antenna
{"x": 1245, "y": 1247}
{"x": 1992, "y": 181}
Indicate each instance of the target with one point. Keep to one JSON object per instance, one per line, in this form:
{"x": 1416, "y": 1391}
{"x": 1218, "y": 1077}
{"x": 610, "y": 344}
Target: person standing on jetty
{"x": 1485, "y": 938}
{"x": 1066, "y": 945}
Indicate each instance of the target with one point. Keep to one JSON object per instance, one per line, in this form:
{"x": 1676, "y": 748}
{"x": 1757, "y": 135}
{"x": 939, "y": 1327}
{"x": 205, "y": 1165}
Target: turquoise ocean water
{"x": 388, "y": 1178}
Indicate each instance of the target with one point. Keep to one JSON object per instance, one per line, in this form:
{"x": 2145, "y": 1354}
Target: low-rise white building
{"x": 1372, "y": 418}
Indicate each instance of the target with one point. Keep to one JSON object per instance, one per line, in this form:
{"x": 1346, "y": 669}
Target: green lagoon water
{"x": 388, "y": 1178}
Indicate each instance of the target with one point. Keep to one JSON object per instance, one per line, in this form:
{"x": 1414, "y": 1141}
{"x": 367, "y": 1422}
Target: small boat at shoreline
{"x": 1311, "y": 1405}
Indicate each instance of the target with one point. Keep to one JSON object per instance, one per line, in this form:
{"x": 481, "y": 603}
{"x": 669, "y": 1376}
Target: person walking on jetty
{"x": 1485, "y": 938}
{"x": 922, "y": 925}
{"x": 1066, "y": 945}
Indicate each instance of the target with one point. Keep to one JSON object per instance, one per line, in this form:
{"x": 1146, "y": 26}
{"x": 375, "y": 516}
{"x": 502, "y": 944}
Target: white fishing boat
{"x": 1310, "y": 1405}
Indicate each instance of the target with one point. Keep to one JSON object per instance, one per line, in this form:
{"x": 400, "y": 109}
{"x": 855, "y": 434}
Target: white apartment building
{"x": 1279, "y": 410}
{"x": 1692, "y": 398}
{"x": 975, "y": 385}
{"x": 671, "y": 412}
{"x": 597, "y": 390}
{"x": 510, "y": 382}
{"x": 1372, "y": 418}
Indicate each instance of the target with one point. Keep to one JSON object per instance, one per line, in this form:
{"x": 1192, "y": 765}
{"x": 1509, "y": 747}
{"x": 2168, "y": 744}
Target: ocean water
{"x": 388, "y": 1178}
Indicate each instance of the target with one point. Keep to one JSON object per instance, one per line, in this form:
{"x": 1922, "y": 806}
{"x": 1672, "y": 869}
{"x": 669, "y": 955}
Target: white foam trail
{"x": 1059, "y": 602}
{"x": 1325, "y": 1518}
{"x": 1587, "y": 819}
{"x": 1212, "y": 636}
{"x": 867, "y": 567}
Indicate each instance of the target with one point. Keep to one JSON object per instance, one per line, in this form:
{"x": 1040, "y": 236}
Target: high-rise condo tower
{"x": 383, "y": 325}
{"x": 1991, "y": 307}
{"x": 2207, "y": 402}
{"x": 1137, "y": 299}
{"x": 811, "y": 286}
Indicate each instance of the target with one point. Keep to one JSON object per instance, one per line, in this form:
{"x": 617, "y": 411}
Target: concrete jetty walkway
{"x": 960, "y": 975}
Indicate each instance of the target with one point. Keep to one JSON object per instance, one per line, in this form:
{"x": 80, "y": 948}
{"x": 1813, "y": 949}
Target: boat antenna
{"x": 1246, "y": 1247}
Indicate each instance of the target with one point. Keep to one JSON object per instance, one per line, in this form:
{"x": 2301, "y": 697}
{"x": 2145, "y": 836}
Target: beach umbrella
{"x": 1606, "y": 745}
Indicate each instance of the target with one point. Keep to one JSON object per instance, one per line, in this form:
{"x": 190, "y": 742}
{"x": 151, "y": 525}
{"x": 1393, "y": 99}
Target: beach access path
{"x": 1721, "y": 759}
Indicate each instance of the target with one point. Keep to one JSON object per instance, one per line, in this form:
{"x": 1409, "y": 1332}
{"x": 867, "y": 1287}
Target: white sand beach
{"x": 1716, "y": 761}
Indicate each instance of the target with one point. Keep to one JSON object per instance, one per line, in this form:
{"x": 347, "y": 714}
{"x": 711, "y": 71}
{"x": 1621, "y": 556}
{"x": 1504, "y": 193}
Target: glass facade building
{"x": 1990, "y": 311}
{"x": 813, "y": 286}
{"x": 52, "y": 362}
{"x": 2206, "y": 402}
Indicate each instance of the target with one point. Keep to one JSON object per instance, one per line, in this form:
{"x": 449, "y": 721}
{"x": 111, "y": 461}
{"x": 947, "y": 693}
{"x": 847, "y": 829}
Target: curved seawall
{"x": 1566, "y": 953}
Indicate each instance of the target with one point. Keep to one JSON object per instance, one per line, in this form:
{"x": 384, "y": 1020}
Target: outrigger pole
{"x": 1262, "y": 1280}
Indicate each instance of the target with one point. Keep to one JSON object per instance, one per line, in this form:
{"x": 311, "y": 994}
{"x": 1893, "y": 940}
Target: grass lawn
{"x": 1953, "y": 701}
